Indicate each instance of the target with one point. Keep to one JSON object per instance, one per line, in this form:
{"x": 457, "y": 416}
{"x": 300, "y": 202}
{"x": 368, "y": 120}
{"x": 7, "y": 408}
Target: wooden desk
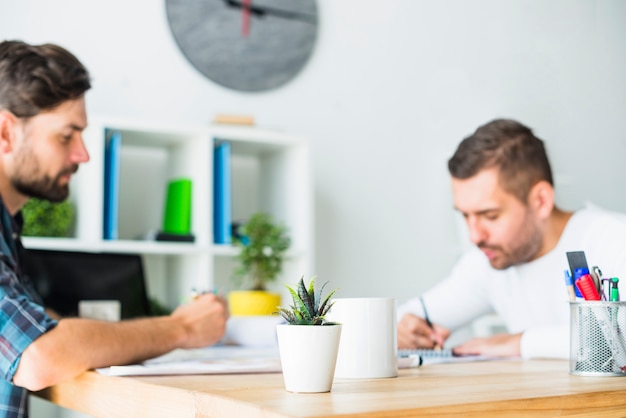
{"x": 469, "y": 389}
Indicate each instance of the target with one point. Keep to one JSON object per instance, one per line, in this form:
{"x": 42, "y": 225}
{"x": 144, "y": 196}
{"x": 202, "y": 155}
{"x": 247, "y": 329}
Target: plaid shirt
{"x": 22, "y": 316}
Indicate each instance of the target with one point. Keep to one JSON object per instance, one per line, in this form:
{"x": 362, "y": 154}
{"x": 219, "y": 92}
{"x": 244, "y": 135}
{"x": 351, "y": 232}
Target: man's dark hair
{"x": 35, "y": 78}
{"x": 509, "y": 146}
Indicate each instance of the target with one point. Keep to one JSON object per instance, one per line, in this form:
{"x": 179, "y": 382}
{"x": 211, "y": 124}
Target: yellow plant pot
{"x": 252, "y": 302}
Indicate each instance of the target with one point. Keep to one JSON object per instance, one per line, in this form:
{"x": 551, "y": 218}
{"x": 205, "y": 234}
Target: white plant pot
{"x": 308, "y": 355}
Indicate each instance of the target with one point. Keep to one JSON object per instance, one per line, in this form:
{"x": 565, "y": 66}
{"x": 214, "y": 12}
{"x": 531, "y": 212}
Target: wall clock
{"x": 246, "y": 45}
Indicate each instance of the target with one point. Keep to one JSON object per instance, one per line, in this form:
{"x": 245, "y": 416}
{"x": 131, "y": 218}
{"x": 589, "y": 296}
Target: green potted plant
{"x": 43, "y": 218}
{"x": 308, "y": 343}
{"x": 263, "y": 243}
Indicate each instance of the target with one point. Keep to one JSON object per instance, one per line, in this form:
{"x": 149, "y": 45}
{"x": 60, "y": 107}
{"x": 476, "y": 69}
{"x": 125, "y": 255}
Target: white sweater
{"x": 530, "y": 298}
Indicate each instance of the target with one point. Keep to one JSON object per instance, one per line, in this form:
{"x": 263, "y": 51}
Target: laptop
{"x": 63, "y": 278}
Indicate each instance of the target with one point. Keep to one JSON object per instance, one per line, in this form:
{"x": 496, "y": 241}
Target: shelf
{"x": 232, "y": 251}
{"x": 225, "y": 250}
{"x": 114, "y": 246}
{"x": 270, "y": 173}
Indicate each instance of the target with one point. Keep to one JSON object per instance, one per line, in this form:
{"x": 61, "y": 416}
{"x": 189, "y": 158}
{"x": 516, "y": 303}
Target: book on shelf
{"x": 112, "y": 149}
{"x": 222, "y": 193}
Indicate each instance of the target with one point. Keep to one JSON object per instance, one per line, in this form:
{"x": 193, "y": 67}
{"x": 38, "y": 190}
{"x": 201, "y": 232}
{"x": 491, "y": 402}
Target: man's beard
{"x": 47, "y": 188}
{"x": 529, "y": 240}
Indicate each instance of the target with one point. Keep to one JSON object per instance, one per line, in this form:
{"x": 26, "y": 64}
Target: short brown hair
{"x": 34, "y": 78}
{"x": 509, "y": 146}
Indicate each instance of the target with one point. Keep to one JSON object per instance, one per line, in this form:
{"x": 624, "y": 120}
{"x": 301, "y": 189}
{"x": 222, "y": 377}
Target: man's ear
{"x": 541, "y": 199}
{"x": 7, "y": 131}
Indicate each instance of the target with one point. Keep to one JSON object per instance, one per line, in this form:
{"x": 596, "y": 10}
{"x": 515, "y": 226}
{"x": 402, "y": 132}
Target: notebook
{"x": 426, "y": 352}
{"x": 443, "y": 355}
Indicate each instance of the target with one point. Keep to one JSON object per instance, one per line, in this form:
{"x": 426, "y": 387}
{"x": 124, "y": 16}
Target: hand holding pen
{"x": 415, "y": 332}
{"x": 435, "y": 336}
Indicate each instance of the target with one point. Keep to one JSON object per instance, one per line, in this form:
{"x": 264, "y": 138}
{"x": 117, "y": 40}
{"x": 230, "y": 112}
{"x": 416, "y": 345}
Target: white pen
{"x": 596, "y": 274}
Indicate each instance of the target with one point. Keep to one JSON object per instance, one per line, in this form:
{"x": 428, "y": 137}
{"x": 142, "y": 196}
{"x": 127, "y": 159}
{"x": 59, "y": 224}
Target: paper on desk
{"x": 210, "y": 360}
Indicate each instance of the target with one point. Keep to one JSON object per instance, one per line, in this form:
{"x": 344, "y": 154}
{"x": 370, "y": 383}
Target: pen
{"x": 195, "y": 294}
{"x": 578, "y": 273}
{"x": 596, "y": 273}
{"x": 427, "y": 319}
{"x": 407, "y": 361}
{"x": 569, "y": 284}
{"x": 614, "y": 297}
{"x": 614, "y": 292}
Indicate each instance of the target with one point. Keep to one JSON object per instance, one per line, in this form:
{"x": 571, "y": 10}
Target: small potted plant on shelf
{"x": 43, "y": 218}
{"x": 263, "y": 243}
{"x": 308, "y": 343}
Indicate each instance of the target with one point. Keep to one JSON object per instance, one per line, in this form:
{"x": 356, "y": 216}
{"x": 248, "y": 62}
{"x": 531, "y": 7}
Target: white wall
{"x": 391, "y": 89}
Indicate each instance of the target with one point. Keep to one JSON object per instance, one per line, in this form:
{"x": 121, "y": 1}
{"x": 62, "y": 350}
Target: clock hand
{"x": 262, "y": 11}
{"x": 245, "y": 18}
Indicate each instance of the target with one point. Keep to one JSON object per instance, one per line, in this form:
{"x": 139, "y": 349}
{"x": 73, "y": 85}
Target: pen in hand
{"x": 438, "y": 344}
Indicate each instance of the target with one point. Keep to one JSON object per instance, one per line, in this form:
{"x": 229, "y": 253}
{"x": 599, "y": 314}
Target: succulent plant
{"x": 308, "y": 307}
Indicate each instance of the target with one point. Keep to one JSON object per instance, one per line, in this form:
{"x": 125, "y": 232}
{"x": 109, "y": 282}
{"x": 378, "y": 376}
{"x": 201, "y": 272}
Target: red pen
{"x": 587, "y": 287}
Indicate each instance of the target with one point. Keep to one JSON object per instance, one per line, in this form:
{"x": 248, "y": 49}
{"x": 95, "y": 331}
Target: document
{"x": 209, "y": 360}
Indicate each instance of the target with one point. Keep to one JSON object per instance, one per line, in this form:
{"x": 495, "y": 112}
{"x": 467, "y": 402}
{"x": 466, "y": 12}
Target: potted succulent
{"x": 308, "y": 344}
{"x": 263, "y": 243}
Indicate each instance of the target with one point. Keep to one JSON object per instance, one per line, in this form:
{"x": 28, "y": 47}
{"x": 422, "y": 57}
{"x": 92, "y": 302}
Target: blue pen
{"x": 578, "y": 273}
{"x": 569, "y": 284}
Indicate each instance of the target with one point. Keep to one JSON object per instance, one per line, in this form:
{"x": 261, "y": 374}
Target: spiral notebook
{"x": 442, "y": 355}
{"x": 426, "y": 352}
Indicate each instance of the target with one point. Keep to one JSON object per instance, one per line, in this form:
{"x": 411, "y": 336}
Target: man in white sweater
{"x": 502, "y": 185}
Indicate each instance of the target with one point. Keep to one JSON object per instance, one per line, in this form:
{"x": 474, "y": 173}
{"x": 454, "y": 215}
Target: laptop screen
{"x": 63, "y": 278}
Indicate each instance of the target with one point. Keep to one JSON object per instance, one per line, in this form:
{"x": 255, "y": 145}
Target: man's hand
{"x": 204, "y": 320}
{"x": 414, "y": 332}
{"x": 501, "y": 345}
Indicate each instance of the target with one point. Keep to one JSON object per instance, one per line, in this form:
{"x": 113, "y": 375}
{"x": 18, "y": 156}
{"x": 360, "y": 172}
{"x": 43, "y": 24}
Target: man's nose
{"x": 79, "y": 152}
{"x": 477, "y": 233}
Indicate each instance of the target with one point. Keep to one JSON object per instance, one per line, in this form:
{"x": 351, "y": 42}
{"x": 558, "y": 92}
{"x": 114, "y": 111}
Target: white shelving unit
{"x": 270, "y": 172}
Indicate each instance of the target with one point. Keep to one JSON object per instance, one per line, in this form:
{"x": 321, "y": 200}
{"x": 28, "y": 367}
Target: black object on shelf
{"x": 164, "y": 236}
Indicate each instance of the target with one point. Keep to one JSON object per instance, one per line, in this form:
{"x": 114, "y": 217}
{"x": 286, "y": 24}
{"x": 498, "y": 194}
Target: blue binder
{"x": 113, "y": 144}
{"x": 222, "y": 197}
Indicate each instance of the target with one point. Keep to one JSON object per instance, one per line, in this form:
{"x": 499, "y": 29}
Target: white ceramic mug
{"x": 369, "y": 344}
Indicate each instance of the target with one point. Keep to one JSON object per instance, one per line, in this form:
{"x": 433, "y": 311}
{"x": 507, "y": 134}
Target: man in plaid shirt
{"x": 42, "y": 117}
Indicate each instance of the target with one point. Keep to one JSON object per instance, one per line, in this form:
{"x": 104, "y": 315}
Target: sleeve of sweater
{"x": 459, "y": 298}
{"x": 545, "y": 342}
